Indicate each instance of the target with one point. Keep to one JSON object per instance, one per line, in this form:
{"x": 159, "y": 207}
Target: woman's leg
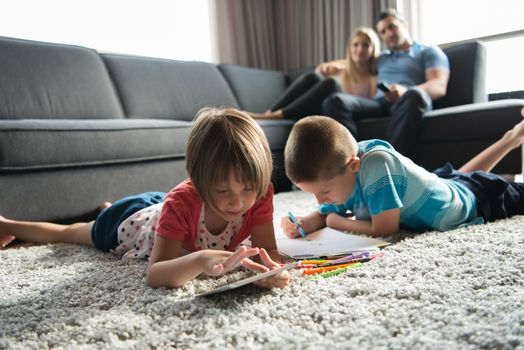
{"x": 300, "y": 86}
{"x": 297, "y": 89}
{"x": 45, "y": 232}
{"x": 488, "y": 158}
{"x": 310, "y": 103}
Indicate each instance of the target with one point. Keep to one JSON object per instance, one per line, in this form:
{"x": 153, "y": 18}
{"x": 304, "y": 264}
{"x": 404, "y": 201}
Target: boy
{"x": 386, "y": 191}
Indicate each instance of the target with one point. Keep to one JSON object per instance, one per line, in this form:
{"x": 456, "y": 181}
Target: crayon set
{"x": 332, "y": 266}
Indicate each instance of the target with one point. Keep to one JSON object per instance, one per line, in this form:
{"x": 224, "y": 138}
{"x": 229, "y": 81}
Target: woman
{"x": 355, "y": 75}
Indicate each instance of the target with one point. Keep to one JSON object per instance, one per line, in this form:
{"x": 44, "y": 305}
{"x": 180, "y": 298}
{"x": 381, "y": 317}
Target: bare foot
{"x": 519, "y": 131}
{"x": 5, "y": 239}
{"x": 515, "y": 136}
{"x": 104, "y": 205}
{"x": 267, "y": 115}
{"x": 258, "y": 115}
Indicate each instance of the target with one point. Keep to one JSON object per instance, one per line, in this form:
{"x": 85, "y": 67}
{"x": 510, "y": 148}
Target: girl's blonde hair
{"x": 225, "y": 139}
{"x": 350, "y": 74}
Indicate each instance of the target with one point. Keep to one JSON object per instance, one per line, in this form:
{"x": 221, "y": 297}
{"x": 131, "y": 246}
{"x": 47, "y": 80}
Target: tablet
{"x": 248, "y": 280}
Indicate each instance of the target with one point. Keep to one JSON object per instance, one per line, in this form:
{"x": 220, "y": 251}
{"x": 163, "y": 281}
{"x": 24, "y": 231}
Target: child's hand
{"x": 336, "y": 221}
{"x": 218, "y": 262}
{"x": 289, "y": 228}
{"x": 279, "y": 280}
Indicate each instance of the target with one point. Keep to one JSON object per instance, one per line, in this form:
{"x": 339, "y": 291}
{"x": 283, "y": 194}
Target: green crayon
{"x": 332, "y": 273}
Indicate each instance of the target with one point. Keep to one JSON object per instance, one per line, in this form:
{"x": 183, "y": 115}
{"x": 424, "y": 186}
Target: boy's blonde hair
{"x": 223, "y": 139}
{"x": 318, "y": 148}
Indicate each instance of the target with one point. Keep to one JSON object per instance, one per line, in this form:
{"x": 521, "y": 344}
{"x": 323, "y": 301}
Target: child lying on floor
{"x": 386, "y": 191}
{"x": 195, "y": 228}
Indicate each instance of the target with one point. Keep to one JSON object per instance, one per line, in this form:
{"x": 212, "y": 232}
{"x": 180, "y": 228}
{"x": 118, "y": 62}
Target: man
{"x": 415, "y": 75}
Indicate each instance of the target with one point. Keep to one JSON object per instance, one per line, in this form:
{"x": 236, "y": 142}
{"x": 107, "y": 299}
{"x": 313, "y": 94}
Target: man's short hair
{"x": 318, "y": 148}
{"x": 389, "y": 13}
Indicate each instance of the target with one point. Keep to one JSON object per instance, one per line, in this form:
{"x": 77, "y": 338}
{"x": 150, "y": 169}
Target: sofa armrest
{"x": 471, "y": 122}
{"x": 456, "y": 134}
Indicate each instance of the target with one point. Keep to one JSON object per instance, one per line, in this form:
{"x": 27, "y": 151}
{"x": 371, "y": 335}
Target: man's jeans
{"x": 407, "y": 114}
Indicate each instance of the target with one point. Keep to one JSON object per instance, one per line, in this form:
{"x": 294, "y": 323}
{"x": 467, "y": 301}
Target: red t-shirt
{"x": 181, "y": 211}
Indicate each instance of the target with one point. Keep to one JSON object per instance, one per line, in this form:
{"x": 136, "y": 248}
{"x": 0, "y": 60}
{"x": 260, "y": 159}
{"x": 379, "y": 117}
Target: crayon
{"x": 347, "y": 258}
{"x": 294, "y": 220}
{"x": 361, "y": 257}
{"x": 314, "y": 271}
{"x": 335, "y": 272}
{"x": 314, "y": 261}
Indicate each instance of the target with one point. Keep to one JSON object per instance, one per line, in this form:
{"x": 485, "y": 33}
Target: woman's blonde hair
{"x": 350, "y": 75}
{"x": 225, "y": 139}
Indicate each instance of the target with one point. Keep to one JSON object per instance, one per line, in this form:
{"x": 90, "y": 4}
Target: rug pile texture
{"x": 436, "y": 290}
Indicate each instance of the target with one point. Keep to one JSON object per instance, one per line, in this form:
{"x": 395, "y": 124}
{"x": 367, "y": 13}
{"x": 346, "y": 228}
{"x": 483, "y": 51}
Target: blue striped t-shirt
{"x": 388, "y": 180}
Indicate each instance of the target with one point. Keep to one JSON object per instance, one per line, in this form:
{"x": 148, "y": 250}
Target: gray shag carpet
{"x": 436, "y": 290}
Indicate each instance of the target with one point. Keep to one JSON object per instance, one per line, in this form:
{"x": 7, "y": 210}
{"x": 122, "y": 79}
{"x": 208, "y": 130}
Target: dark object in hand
{"x": 385, "y": 87}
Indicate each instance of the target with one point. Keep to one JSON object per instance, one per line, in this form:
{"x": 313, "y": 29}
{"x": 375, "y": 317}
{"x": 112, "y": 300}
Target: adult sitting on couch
{"x": 355, "y": 75}
{"x": 414, "y": 74}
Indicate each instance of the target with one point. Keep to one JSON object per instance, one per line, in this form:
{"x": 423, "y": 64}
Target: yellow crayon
{"x": 313, "y": 261}
{"x": 314, "y": 271}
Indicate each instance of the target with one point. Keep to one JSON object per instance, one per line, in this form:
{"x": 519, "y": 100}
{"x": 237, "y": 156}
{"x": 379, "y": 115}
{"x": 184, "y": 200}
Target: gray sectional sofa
{"x": 78, "y": 127}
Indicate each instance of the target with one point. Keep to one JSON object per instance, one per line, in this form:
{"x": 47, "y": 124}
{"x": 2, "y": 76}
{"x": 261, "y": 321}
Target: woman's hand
{"x": 217, "y": 262}
{"x": 279, "y": 280}
{"x": 331, "y": 68}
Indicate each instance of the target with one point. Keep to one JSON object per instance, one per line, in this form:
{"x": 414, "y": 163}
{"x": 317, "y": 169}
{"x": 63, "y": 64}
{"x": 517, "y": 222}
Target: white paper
{"x": 326, "y": 242}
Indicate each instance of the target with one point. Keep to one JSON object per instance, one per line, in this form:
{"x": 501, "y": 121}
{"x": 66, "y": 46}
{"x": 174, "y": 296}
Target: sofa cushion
{"x": 277, "y": 132}
{"x": 43, "y": 80}
{"x": 255, "y": 89}
{"x": 167, "y": 89}
{"x": 37, "y": 144}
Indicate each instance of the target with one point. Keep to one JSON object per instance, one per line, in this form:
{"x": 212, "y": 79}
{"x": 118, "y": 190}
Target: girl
{"x": 196, "y": 227}
{"x": 355, "y": 75}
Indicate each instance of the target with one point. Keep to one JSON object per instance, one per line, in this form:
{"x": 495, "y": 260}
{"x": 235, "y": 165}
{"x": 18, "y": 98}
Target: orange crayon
{"x": 314, "y": 271}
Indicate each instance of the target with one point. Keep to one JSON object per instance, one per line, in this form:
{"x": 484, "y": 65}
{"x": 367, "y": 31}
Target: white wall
{"x": 176, "y": 29}
{"x": 444, "y": 21}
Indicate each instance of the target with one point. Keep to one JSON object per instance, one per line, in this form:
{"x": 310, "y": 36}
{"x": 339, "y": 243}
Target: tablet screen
{"x": 248, "y": 280}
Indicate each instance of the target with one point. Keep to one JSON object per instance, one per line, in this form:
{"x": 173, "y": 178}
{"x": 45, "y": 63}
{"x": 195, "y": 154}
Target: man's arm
{"x": 436, "y": 82}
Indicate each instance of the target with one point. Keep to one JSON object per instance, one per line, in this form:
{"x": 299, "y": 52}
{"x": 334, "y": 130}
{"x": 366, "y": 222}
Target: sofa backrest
{"x": 44, "y": 80}
{"x": 167, "y": 89}
{"x": 467, "y": 80}
{"x": 255, "y": 89}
